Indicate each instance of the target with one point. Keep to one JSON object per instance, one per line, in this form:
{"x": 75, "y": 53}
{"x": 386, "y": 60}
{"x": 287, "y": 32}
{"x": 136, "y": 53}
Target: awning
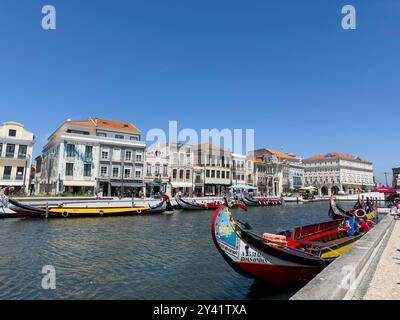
{"x": 127, "y": 184}
{"x": 154, "y": 184}
{"x": 242, "y": 187}
{"x": 77, "y": 183}
{"x": 181, "y": 184}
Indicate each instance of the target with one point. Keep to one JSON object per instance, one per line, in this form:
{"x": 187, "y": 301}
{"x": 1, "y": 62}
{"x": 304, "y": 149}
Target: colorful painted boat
{"x": 260, "y": 202}
{"x": 190, "y": 205}
{"x": 282, "y": 258}
{"x": 336, "y": 212}
{"x": 87, "y": 210}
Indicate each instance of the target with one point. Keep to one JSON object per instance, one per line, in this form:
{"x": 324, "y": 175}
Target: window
{"x": 103, "y": 171}
{"x": 101, "y": 134}
{"x": 212, "y": 173}
{"x": 138, "y": 157}
{"x": 70, "y": 150}
{"x": 174, "y": 173}
{"x": 104, "y": 155}
{"x": 165, "y": 170}
{"x": 158, "y": 169}
{"x": 218, "y": 174}
{"x": 22, "y": 151}
{"x": 128, "y": 155}
{"x": 87, "y": 170}
{"x": 223, "y": 174}
{"x": 115, "y": 172}
{"x": 20, "y": 173}
{"x": 207, "y": 173}
{"x": 138, "y": 174}
{"x": 134, "y": 138}
{"x": 127, "y": 173}
{"x": 7, "y": 173}
{"x": 187, "y": 174}
{"x": 118, "y": 136}
{"x": 1, "y": 149}
{"x": 88, "y": 153}
{"x": 69, "y": 169}
{"x": 148, "y": 171}
{"x": 10, "y": 150}
{"x": 12, "y": 133}
{"x": 181, "y": 174}
{"x": 78, "y": 132}
{"x": 227, "y": 174}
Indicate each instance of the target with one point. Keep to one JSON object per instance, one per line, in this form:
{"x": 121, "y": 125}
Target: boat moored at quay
{"x": 287, "y": 257}
{"x": 254, "y": 202}
{"x": 87, "y": 209}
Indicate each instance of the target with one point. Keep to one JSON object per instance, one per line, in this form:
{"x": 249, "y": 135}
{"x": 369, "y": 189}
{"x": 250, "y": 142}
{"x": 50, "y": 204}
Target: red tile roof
{"x": 107, "y": 124}
{"x": 335, "y": 155}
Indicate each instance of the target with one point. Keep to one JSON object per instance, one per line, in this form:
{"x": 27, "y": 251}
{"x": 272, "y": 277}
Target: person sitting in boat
{"x": 365, "y": 225}
{"x": 352, "y": 226}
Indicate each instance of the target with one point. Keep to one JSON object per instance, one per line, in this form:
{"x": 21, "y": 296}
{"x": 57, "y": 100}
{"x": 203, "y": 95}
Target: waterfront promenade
{"x": 367, "y": 271}
{"x": 385, "y": 282}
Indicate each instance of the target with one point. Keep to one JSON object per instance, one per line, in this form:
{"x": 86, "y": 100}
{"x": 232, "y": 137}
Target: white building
{"x": 296, "y": 175}
{"x": 156, "y": 173}
{"x": 338, "y": 172}
{"x": 93, "y": 155}
{"x": 216, "y": 164}
{"x": 238, "y": 169}
{"x": 16, "y": 145}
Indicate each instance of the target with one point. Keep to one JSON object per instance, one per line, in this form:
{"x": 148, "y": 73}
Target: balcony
{"x": 9, "y": 155}
{"x": 7, "y": 177}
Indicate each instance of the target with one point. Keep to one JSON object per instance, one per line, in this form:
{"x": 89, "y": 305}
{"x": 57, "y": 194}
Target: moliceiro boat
{"x": 359, "y": 210}
{"x": 86, "y": 209}
{"x": 279, "y": 258}
{"x": 260, "y": 202}
{"x": 192, "y": 205}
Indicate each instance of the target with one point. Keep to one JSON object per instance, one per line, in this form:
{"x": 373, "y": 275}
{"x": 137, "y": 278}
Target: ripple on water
{"x": 148, "y": 257}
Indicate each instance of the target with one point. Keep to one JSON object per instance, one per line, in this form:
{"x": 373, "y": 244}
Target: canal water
{"x": 143, "y": 257}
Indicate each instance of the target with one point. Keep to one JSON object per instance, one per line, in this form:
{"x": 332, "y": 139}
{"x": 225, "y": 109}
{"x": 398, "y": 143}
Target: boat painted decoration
{"x": 190, "y": 205}
{"x": 279, "y": 258}
{"x": 87, "y": 210}
{"x": 336, "y": 212}
{"x": 260, "y": 202}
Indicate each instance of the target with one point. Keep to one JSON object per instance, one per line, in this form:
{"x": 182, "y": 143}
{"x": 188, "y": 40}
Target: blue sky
{"x": 285, "y": 68}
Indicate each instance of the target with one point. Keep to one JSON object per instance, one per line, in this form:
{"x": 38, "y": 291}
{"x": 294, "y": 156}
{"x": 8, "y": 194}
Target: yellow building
{"x": 16, "y": 145}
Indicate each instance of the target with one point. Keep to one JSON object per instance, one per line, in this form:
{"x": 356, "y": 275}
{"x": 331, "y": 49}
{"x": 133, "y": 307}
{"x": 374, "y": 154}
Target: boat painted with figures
{"x": 87, "y": 209}
{"x": 286, "y": 257}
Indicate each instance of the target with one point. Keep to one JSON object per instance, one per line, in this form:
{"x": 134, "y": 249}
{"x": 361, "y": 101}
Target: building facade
{"x": 276, "y": 172}
{"x": 156, "y": 173}
{"x": 338, "y": 173}
{"x": 181, "y": 162}
{"x": 396, "y": 179}
{"x": 93, "y": 156}
{"x": 238, "y": 169}
{"x": 16, "y": 144}
{"x": 216, "y": 164}
{"x": 296, "y": 175}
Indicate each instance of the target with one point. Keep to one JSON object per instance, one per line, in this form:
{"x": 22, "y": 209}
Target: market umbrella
{"x": 384, "y": 190}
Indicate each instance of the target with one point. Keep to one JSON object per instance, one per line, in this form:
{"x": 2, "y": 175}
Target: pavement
{"x": 385, "y": 282}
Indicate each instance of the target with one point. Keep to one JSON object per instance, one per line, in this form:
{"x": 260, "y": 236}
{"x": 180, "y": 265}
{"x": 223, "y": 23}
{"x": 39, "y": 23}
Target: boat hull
{"x": 247, "y": 260}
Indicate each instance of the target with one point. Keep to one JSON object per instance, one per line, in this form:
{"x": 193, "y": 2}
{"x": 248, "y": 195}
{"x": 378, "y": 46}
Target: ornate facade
{"x": 338, "y": 173}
